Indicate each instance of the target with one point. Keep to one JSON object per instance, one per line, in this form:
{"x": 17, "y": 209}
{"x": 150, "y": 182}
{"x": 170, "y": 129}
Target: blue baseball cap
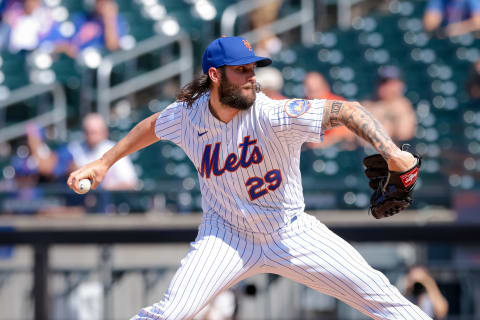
{"x": 231, "y": 51}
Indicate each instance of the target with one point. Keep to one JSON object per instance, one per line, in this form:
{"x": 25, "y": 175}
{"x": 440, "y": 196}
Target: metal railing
{"x": 57, "y": 116}
{"x": 182, "y": 66}
{"x": 303, "y": 18}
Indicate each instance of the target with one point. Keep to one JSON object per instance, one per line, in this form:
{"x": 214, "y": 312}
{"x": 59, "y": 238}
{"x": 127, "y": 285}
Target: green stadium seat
{"x": 14, "y": 69}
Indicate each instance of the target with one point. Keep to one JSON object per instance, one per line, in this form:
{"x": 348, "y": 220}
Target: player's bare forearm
{"x": 141, "y": 136}
{"x": 361, "y": 122}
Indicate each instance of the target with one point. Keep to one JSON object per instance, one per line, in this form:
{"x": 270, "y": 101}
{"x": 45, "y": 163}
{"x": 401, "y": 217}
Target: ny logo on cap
{"x": 247, "y": 44}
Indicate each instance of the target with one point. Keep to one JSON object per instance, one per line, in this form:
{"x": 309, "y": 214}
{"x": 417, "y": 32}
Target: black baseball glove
{"x": 392, "y": 190}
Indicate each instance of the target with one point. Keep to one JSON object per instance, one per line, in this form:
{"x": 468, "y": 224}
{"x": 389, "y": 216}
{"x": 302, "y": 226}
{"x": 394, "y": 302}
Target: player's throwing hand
{"x": 94, "y": 171}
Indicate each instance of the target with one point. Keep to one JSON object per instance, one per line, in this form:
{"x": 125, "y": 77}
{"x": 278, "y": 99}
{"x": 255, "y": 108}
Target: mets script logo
{"x": 249, "y": 154}
{"x": 247, "y": 44}
{"x": 409, "y": 178}
{"x": 296, "y": 107}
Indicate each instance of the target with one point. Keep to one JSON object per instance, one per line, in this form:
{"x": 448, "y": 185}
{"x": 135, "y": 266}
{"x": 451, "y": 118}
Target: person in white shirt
{"x": 76, "y": 154}
{"x": 30, "y": 22}
{"x": 122, "y": 175}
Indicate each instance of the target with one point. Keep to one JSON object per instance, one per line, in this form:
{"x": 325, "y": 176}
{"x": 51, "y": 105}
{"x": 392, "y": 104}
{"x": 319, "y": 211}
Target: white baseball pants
{"x": 305, "y": 251}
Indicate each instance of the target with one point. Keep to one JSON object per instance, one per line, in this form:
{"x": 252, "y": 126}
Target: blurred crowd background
{"x": 64, "y": 64}
{"x": 76, "y": 75}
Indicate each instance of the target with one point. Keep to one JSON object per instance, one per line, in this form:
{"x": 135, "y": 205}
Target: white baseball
{"x": 84, "y": 186}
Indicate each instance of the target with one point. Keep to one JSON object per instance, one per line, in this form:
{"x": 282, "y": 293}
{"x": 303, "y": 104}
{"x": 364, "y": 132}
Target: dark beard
{"x": 230, "y": 95}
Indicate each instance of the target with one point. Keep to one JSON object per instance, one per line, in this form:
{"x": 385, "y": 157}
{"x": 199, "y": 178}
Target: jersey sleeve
{"x": 169, "y": 123}
{"x": 298, "y": 120}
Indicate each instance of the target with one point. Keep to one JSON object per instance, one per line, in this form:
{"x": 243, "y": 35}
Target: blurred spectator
{"x": 473, "y": 82}
{"x": 271, "y": 81}
{"x": 267, "y": 14}
{"x": 53, "y": 164}
{"x": 421, "y": 289}
{"x": 390, "y": 106}
{"x": 456, "y": 16}
{"x": 102, "y": 29}
{"x": 25, "y": 192}
{"x": 316, "y": 87}
{"x": 30, "y": 23}
{"x": 121, "y": 176}
{"x": 4, "y": 27}
{"x": 25, "y": 196}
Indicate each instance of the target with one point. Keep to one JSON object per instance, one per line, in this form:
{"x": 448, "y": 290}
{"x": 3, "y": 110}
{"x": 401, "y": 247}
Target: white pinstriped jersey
{"x": 253, "y": 206}
{"x": 248, "y": 168}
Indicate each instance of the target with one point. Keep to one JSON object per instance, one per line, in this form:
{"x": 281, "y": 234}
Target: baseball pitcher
{"x": 246, "y": 148}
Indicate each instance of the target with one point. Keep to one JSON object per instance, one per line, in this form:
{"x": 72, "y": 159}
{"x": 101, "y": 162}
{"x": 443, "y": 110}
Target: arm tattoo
{"x": 331, "y": 115}
{"x": 362, "y": 123}
{"x": 335, "y": 113}
{"x": 366, "y": 126}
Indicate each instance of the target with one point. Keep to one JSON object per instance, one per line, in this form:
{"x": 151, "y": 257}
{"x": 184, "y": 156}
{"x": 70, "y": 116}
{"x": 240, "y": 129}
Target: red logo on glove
{"x": 409, "y": 178}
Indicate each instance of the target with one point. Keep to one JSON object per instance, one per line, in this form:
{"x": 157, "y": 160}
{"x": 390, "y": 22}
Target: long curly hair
{"x": 194, "y": 90}
{"x": 197, "y": 87}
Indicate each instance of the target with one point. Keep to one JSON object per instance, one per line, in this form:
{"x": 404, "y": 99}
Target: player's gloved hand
{"x": 94, "y": 171}
{"x": 392, "y": 189}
